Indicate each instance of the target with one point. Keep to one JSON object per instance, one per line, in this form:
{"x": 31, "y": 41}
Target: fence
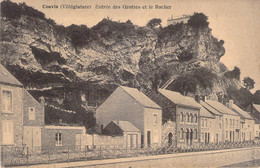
{"x": 17, "y": 156}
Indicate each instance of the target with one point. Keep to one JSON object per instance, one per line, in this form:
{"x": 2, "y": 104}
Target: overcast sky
{"x": 235, "y": 21}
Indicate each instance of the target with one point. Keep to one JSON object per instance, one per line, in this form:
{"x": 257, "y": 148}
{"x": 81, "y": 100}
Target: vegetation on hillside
{"x": 201, "y": 77}
{"x": 234, "y": 74}
{"x": 198, "y": 20}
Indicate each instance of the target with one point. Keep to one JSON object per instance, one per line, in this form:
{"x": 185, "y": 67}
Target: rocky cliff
{"x": 86, "y": 64}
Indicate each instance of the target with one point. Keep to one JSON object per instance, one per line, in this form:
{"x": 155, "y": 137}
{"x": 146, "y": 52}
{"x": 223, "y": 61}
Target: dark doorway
{"x": 187, "y": 136}
{"x": 142, "y": 141}
{"x": 170, "y": 139}
{"x": 149, "y": 138}
{"x": 191, "y": 136}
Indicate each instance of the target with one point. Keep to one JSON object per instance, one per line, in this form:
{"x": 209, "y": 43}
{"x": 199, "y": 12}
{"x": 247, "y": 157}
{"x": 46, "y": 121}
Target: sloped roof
{"x": 7, "y": 78}
{"x": 140, "y": 97}
{"x": 221, "y": 107}
{"x": 179, "y": 99}
{"x": 257, "y": 107}
{"x": 241, "y": 112}
{"x": 126, "y": 126}
{"x": 205, "y": 113}
{"x": 209, "y": 108}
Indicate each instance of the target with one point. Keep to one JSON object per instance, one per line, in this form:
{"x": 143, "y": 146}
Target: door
{"x": 32, "y": 136}
{"x": 149, "y": 138}
{"x": 187, "y": 136}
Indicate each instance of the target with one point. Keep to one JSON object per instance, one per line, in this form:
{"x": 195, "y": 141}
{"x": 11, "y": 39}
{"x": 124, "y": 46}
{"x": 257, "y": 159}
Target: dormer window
{"x": 31, "y": 113}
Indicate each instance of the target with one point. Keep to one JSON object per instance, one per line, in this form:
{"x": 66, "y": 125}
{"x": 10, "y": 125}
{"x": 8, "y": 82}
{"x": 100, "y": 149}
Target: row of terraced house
{"x": 165, "y": 116}
{"x": 127, "y": 116}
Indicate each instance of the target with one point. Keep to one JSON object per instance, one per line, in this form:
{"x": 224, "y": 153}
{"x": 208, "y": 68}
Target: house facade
{"x": 183, "y": 114}
{"x": 213, "y": 125}
{"x": 129, "y": 104}
{"x": 62, "y": 136}
{"x": 11, "y": 108}
{"x": 247, "y": 123}
{"x": 254, "y": 111}
{"x": 229, "y": 122}
{"x": 174, "y": 21}
{"x": 131, "y": 134}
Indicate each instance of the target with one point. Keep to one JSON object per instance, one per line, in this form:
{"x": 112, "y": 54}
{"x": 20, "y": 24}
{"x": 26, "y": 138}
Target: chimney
{"x": 230, "y": 103}
{"x": 60, "y": 121}
{"x": 42, "y": 101}
{"x": 204, "y": 98}
{"x": 197, "y": 98}
{"x": 184, "y": 93}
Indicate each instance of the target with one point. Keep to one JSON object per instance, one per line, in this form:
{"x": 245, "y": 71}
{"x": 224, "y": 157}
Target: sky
{"x": 235, "y": 21}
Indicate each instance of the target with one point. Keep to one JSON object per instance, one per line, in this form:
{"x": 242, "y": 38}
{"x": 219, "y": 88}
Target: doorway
{"x": 170, "y": 136}
{"x": 149, "y": 138}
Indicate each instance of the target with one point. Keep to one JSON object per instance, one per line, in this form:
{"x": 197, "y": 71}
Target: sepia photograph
{"x": 129, "y": 83}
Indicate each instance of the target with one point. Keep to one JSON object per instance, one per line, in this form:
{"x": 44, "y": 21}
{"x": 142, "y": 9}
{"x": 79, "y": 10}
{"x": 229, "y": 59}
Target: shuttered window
{"x": 31, "y": 113}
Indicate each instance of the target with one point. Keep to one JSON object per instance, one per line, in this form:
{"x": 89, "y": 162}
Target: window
{"x": 182, "y": 133}
{"x": 237, "y": 122}
{"x": 155, "y": 116}
{"x": 226, "y": 134}
{"x": 206, "y": 122}
{"x": 230, "y": 122}
{"x": 31, "y": 113}
{"x": 188, "y": 118}
{"x": 191, "y": 118}
{"x": 226, "y": 122}
{"x": 182, "y": 119}
{"x": 7, "y": 132}
{"x": 7, "y": 101}
{"x": 233, "y": 122}
{"x": 219, "y": 125}
{"x": 58, "y": 139}
{"x": 202, "y": 123}
{"x": 195, "y": 134}
{"x": 195, "y": 118}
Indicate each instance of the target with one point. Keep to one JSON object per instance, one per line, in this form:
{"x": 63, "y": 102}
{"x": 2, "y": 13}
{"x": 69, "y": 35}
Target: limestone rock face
{"x": 45, "y": 59}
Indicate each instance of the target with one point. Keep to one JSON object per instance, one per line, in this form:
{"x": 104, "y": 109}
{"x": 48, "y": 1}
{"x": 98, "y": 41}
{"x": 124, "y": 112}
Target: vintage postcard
{"x": 99, "y": 83}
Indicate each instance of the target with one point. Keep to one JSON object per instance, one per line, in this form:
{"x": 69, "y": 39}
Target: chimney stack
{"x": 197, "y": 98}
{"x": 204, "y": 98}
{"x": 230, "y": 103}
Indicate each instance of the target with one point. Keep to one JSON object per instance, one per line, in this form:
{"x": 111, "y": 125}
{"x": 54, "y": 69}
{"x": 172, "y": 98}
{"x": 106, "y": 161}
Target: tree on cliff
{"x": 248, "y": 83}
{"x": 154, "y": 22}
{"x": 234, "y": 74}
{"x": 198, "y": 20}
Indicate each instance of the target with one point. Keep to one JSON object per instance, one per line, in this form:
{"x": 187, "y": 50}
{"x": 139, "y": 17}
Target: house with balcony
{"x": 180, "y": 116}
{"x": 130, "y": 104}
{"x": 247, "y": 123}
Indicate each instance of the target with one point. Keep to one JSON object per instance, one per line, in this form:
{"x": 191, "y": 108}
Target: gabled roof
{"x": 221, "y": 107}
{"x": 257, "y": 107}
{"x": 209, "y": 108}
{"x": 205, "y": 113}
{"x": 126, "y": 126}
{"x": 7, "y": 78}
{"x": 179, "y": 99}
{"x": 140, "y": 97}
{"x": 241, "y": 112}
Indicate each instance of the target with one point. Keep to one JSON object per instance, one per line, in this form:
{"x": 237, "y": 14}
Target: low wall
{"x": 90, "y": 140}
